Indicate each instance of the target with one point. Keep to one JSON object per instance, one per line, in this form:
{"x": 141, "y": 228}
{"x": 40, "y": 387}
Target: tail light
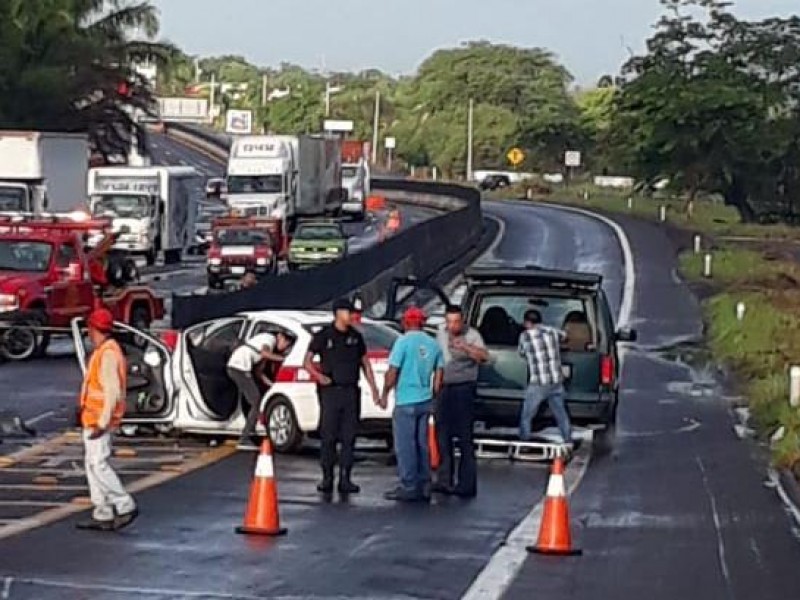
{"x": 378, "y": 354}
{"x": 607, "y": 370}
{"x": 293, "y": 375}
{"x": 170, "y": 339}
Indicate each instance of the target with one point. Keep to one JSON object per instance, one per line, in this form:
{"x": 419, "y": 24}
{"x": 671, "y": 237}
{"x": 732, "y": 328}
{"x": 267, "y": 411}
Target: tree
{"x": 68, "y": 65}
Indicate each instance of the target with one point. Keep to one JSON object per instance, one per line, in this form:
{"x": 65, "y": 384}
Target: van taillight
{"x": 170, "y": 339}
{"x": 293, "y": 375}
{"x": 606, "y": 370}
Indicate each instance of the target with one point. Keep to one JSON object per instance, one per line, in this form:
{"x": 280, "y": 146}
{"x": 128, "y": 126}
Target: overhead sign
{"x": 338, "y": 126}
{"x": 390, "y": 143}
{"x": 239, "y": 122}
{"x": 515, "y": 157}
{"x": 572, "y": 158}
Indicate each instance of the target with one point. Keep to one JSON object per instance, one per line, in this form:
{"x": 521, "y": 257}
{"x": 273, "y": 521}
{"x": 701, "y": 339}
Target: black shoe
{"x": 401, "y": 495}
{"x": 95, "y": 525}
{"x": 126, "y": 519}
{"x": 442, "y": 488}
{"x": 348, "y": 487}
{"x": 325, "y": 486}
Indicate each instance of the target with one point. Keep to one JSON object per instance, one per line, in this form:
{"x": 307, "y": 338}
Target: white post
{"x": 529, "y": 194}
{"x": 630, "y": 202}
{"x": 470, "y": 132}
{"x": 662, "y": 213}
{"x": 698, "y": 244}
{"x": 213, "y": 95}
{"x": 327, "y": 99}
{"x": 413, "y": 171}
{"x": 435, "y": 173}
{"x": 794, "y": 386}
{"x": 264, "y": 89}
{"x": 375, "y": 126}
{"x": 707, "y": 266}
{"x": 740, "y": 310}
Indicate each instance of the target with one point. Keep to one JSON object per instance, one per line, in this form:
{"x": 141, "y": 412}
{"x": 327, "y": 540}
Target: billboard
{"x": 239, "y": 122}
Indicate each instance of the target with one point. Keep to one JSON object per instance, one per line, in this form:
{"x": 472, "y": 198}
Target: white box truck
{"x": 152, "y": 208}
{"x": 285, "y": 177}
{"x": 42, "y": 171}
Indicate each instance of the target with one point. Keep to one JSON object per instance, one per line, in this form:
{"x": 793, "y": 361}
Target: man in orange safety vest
{"x": 101, "y": 407}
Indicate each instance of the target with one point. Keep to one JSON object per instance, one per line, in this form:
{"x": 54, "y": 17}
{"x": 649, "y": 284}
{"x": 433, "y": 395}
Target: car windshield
{"x": 13, "y": 200}
{"x": 318, "y": 232}
{"x": 242, "y": 237}
{"x": 21, "y": 255}
{"x": 349, "y": 172}
{"x": 207, "y": 213}
{"x": 124, "y": 207}
{"x": 255, "y": 184}
{"x": 499, "y": 317}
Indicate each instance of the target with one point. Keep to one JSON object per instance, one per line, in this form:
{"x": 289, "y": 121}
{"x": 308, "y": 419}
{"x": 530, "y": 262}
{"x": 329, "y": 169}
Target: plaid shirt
{"x": 540, "y": 347}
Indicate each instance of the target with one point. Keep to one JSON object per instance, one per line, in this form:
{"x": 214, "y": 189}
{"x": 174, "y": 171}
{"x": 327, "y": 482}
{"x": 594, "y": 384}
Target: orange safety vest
{"x": 92, "y": 395}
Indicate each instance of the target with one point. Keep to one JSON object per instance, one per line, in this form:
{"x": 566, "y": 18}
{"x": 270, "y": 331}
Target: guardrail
{"x": 422, "y": 250}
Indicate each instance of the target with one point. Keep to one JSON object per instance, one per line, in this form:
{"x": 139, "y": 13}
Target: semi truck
{"x": 152, "y": 208}
{"x": 285, "y": 177}
{"x": 355, "y": 177}
{"x": 42, "y": 171}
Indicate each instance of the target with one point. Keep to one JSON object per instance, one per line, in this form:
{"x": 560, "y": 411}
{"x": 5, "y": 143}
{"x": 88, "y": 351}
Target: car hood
{"x": 11, "y": 281}
{"x": 312, "y": 243}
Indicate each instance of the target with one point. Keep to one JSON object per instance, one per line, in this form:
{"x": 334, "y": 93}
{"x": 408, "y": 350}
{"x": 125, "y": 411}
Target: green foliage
{"x": 62, "y": 62}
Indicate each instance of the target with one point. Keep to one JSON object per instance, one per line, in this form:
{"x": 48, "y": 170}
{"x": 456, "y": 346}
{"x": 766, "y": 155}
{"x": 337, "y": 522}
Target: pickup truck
{"x": 317, "y": 243}
{"x": 47, "y": 278}
{"x": 242, "y": 244}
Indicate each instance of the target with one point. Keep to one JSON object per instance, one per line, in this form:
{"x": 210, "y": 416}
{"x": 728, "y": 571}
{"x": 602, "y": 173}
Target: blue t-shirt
{"x": 417, "y": 356}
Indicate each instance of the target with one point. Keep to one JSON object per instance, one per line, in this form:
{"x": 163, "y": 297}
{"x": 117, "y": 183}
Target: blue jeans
{"x": 534, "y": 396}
{"x": 410, "y": 425}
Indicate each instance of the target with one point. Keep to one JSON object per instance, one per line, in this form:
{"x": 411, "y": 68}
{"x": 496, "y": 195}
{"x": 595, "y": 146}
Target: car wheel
{"x": 20, "y": 341}
{"x": 282, "y": 426}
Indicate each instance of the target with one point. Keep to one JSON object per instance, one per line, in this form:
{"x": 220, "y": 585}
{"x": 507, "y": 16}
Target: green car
{"x": 317, "y": 243}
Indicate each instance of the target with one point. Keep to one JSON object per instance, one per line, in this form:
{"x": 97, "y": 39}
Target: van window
{"x": 499, "y": 317}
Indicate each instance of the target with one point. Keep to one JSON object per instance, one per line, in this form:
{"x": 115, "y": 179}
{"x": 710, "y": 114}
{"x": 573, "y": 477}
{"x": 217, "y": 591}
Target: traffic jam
{"x": 282, "y": 381}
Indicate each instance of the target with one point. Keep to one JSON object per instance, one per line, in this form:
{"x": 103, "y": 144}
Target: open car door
{"x": 150, "y": 393}
{"x": 410, "y": 291}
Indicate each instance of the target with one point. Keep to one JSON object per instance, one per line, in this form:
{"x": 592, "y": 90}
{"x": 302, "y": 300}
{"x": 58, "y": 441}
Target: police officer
{"x": 343, "y": 355}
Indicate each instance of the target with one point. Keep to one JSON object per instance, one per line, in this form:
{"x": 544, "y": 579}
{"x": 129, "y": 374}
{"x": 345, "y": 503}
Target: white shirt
{"x": 249, "y": 353}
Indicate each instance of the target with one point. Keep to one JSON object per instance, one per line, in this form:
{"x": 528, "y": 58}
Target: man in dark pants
{"x": 343, "y": 355}
{"x": 464, "y": 351}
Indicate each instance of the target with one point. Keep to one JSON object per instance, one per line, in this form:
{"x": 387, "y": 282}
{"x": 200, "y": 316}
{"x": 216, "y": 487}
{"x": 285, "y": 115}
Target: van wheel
{"x": 282, "y": 427}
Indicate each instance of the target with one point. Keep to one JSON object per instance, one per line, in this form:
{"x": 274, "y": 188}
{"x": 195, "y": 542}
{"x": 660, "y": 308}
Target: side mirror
{"x": 73, "y": 271}
{"x": 627, "y": 335}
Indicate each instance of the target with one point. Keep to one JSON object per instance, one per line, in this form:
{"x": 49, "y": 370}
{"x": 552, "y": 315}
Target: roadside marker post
{"x": 662, "y": 213}
{"x": 630, "y": 202}
{"x": 698, "y": 244}
{"x": 794, "y": 387}
{"x": 707, "y": 266}
{"x": 740, "y": 311}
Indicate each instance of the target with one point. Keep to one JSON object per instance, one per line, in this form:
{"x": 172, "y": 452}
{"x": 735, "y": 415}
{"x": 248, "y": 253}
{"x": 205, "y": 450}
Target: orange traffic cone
{"x": 554, "y": 532}
{"x": 433, "y": 444}
{"x": 261, "y": 516}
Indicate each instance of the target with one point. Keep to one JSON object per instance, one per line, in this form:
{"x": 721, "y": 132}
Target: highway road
{"x": 676, "y": 509}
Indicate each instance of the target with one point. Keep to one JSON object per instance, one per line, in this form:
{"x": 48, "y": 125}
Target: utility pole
{"x": 469, "y": 138}
{"x": 213, "y": 95}
{"x": 375, "y": 127}
{"x": 327, "y": 98}
{"x": 264, "y": 89}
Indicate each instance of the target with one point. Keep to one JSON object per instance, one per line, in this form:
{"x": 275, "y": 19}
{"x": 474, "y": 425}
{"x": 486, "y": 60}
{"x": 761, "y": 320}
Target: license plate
{"x": 315, "y": 256}
{"x": 566, "y": 371}
{"x": 237, "y": 270}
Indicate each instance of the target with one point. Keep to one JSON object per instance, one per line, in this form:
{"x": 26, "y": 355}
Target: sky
{"x": 590, "y": 37}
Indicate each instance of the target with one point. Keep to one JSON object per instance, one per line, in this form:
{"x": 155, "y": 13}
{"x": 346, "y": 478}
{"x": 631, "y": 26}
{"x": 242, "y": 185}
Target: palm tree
{"x": 66, "y": 65}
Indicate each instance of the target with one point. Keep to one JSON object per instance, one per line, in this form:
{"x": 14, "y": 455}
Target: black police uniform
{"x": 341, "y": 353}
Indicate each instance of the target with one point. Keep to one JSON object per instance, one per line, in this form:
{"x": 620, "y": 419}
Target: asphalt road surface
{"x": 677, "y": 509}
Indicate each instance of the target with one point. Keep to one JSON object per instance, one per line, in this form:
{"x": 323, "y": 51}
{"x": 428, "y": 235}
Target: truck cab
{"x": 261, "y": 174}
{"x": 242, "y": 244}
{"x": 18, "y": 198}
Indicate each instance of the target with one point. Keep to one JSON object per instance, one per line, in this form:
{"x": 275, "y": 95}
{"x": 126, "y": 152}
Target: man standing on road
{"x": 343, "y": 355}
{"x": 102, "y": 405}
{"x": 246, "y": 359}
{"x": 415, "y": 370}
{"x": 463, "y": 351}
{"x": 540, "y": 346}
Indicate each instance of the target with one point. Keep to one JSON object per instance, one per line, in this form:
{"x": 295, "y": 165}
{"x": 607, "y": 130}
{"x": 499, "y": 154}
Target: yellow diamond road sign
{"x": 515, "y": 156}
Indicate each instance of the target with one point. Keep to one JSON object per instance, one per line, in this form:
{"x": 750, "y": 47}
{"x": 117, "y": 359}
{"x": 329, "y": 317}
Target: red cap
{"x": 102, "y": 320}
{"x": 414, "y": 316}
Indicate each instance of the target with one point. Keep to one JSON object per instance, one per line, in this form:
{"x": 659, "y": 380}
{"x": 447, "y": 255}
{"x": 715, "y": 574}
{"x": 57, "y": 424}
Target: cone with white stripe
{"x": 433, "y": 444}
{"x": 554, "y": 531}
{"x": 261, "y": 516}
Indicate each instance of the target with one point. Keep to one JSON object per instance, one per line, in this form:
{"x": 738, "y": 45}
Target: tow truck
{"x": 244, "y": 243}
{"x": 48, "y": 278}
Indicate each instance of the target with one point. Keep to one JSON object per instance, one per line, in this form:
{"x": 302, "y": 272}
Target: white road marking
{"x": 7, "y": 588}
{"x": 723, "y": 561}
{"x": 501, "y": 232}
{"x": 784, "y": 496}
{"x": 40, "y": 417}
{"x": 501, "y": 570}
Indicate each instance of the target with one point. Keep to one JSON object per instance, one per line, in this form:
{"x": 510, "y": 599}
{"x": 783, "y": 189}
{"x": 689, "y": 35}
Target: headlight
{"x": 215, "y": 262}
{"x": 261, "y": 261}
{"x": 8, "y": 302}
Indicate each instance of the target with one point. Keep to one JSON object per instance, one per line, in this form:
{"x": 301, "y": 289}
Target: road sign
{"x": 338, "y": 126}
{"x": 239, "y": 122}
{"x": 572, "y": 158}
{"x": 390, "y": 143}
{"x": 516, "y": 157}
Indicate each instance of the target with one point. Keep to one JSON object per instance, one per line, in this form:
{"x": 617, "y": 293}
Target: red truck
{"x": 242, "y": 244}
{"x": 47, "y": 279}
